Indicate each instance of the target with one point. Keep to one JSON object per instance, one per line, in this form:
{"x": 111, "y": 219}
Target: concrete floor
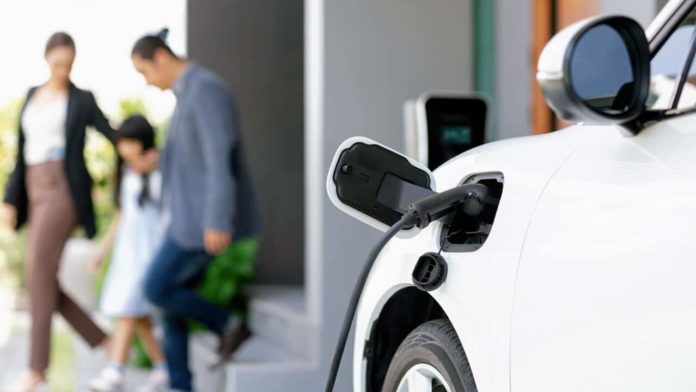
{"x": 73, "y": 364}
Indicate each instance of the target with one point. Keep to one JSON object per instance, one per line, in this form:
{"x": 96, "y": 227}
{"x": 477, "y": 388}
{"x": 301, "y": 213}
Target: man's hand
{"x": 9, "y": 215}
{"x": 216, "y": 241}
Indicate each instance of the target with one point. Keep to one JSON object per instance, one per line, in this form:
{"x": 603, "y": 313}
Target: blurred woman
{"x": 50, "y": 189}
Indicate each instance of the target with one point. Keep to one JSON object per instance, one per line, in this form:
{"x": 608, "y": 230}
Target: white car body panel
{"x": 605, "y": 296}
{"x": 618, "y": 314}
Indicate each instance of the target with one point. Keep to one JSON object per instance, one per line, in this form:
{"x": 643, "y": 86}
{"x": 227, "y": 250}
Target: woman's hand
{"x": 9, "y": 215}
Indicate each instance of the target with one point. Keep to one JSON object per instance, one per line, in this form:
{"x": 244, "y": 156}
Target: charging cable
{"x": 408, "y": 219}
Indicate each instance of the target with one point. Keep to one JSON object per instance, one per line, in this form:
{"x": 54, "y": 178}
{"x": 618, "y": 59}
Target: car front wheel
{"x": 431, "y": 358}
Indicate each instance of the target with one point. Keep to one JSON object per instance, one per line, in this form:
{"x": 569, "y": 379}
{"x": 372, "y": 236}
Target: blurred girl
{"x": 134, "y": 235}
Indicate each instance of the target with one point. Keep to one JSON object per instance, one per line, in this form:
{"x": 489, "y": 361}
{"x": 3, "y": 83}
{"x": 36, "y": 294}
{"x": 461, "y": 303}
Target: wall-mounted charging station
{"x": 441, "y": 125}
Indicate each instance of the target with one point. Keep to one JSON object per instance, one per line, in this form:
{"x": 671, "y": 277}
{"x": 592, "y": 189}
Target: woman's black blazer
{"x": 82, "y": 112}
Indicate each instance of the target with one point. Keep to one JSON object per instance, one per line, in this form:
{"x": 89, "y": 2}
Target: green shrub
{"x": 12, "y": 246}
{"x": 225, "y": 280}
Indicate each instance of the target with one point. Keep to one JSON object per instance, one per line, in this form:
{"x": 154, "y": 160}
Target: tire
{"x": 435, "y": 350}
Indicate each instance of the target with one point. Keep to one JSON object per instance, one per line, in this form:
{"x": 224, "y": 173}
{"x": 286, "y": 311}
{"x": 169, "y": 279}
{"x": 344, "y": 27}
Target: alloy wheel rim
{"x": 423, "y": 378}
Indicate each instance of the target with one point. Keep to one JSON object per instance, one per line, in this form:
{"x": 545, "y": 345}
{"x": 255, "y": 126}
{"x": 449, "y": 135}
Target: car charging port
{"x": 464, "y": 232}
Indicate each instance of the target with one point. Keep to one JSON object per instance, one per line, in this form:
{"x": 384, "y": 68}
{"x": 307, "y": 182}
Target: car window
{"x": 667, "y": 65}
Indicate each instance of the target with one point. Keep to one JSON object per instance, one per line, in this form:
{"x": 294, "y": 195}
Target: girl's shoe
{"x": 108, "y": 380}
{"x": 157, "y": 382}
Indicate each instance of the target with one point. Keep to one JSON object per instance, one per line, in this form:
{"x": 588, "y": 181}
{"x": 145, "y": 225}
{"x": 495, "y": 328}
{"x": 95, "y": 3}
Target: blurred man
{"x": 207, "y": 200}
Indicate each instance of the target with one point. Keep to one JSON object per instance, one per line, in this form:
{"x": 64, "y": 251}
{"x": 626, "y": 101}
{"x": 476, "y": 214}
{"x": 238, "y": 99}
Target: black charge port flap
{"x": 364, "y": 178}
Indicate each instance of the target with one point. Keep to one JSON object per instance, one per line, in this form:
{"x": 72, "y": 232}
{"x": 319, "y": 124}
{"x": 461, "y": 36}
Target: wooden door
{"x": 550, "y": 16}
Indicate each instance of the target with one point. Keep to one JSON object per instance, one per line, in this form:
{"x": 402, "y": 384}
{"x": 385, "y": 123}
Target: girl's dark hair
{"x": 59, "y": 39}
{"x": 146, "y": 46}
{"x": 135, "y": 128}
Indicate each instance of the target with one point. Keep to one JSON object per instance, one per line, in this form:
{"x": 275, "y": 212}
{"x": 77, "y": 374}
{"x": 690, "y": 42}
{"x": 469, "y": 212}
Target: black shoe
{"x": 235, "y": 333}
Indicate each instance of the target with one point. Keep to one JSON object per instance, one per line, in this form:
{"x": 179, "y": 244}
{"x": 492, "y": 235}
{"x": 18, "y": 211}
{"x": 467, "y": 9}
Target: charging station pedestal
{"x": 441, "y": 125}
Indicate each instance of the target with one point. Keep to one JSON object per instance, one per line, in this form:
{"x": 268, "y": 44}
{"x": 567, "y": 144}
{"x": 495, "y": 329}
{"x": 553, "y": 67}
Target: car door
{"x": 605, "y": 297}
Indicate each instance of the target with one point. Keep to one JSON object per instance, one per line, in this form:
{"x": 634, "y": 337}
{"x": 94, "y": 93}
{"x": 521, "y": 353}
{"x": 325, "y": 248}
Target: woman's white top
{"x": 44, "y": 131}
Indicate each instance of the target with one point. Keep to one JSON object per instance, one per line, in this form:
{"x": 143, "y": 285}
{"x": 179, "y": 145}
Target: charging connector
{"x": 467, "y": 198}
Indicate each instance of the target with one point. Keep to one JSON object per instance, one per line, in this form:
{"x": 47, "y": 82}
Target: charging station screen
{"x": 456, "y": 134}
{"x": 454, "y": 126}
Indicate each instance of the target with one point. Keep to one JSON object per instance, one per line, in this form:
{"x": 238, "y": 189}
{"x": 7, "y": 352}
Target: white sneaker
{"x": 109, "y": 380}
{"x": 157, "y": 382}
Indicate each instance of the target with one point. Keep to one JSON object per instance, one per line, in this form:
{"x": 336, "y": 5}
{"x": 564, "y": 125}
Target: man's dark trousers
{"x": 169, "y": 284}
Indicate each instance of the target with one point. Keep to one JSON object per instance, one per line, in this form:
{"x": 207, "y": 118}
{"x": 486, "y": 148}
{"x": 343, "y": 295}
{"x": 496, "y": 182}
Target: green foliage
{"x": 61, "y": 374}
{"x": 138, "y": 357}
{"x": 228, "y": 271}
{"x": 12, "y": 253}
{"x": 12, "y": 246}
{"x": 100, "y": 158}
{"x": 9, "y": 119}
{"x": 132, "y": 106}
{"x": 226, "y": 277}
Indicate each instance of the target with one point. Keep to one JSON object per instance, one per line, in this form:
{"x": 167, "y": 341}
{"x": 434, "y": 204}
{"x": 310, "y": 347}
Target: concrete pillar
{"x": 364, "y": 58}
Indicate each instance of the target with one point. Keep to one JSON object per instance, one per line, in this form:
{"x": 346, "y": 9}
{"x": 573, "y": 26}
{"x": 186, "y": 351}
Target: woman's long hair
{"x": 134, "y": 128}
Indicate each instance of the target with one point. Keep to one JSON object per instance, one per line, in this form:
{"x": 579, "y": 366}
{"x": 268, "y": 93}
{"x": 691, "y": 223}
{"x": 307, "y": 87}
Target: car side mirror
{"x": 597, "y": 71}
{"x": 376, "y": 184}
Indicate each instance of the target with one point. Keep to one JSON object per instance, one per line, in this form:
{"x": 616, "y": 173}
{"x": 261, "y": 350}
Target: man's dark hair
{"x": 146, "y": 46}
{"x": 58, "y": 40}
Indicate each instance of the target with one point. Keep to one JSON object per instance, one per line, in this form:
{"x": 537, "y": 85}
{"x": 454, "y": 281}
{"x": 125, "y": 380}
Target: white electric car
{"x": 579, "y": 274}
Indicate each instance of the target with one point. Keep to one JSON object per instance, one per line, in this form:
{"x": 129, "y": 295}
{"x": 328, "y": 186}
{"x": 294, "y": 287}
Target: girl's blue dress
{"x": 139, "y": 234}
